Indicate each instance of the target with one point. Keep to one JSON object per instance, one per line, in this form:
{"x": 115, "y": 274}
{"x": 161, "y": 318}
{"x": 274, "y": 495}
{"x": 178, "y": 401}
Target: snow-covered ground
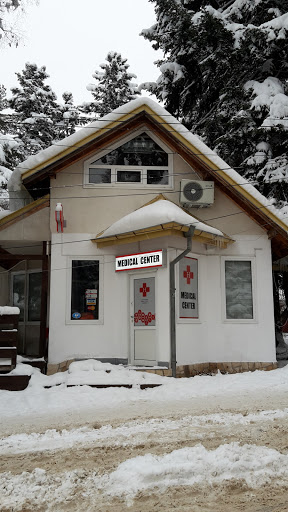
{"x": 206, "y": 443}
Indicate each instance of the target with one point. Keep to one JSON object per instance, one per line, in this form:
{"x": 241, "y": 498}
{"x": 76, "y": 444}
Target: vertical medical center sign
{"x": 188, "y": 288}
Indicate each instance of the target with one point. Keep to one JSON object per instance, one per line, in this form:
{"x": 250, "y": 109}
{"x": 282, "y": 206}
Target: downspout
{"x": 189, "y": 236}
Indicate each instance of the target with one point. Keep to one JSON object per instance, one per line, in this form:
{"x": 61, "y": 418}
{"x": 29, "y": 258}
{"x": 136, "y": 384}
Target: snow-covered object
{"x": 171, "y": 123}
{"x": 160, "y": 212}
{"x": 270, "y": 96}
{"x": 92, "y": 371}
{"x": 9, "y": 310}
{"x": 4, "y": 213}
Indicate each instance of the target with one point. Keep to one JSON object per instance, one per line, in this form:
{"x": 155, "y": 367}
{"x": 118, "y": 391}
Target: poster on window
{"x": 144, "y": 302}
{"x": 188, "y": 288}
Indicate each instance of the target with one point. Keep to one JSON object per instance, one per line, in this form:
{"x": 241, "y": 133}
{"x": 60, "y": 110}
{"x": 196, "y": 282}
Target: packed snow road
{"x": 208, "y": 444}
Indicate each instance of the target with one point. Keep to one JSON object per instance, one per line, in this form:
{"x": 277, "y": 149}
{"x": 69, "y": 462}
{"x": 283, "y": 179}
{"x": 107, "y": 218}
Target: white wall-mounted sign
{"x": 188, "y": 288}
{"x": 140, "y": 260}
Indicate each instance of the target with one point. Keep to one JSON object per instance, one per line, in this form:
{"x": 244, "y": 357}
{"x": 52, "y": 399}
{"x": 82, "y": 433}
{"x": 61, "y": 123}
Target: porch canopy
{"x": 159, "y": 218}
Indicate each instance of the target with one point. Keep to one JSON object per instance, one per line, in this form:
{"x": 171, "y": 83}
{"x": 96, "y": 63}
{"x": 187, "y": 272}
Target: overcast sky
{"x": 71, "y": 38}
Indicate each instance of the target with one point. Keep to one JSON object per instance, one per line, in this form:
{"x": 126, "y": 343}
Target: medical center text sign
{"x": 141, "y": 260}
{"x": 188, "y": 288}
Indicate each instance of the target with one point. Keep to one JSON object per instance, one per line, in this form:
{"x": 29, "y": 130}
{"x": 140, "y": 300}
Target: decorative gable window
{"x": 140, "y": 160}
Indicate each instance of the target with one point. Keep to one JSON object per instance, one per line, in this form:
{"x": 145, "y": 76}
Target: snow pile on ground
{"x": 61, "y": 397}
{"x": 88, "y": 372}
{"x": 131, "y": 433}
{"x": 256, "y": 465}
{"x": 92, "y": 372}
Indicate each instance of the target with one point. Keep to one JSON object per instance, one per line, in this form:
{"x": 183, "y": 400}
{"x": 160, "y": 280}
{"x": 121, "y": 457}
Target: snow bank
{"x": 196, "y": 466}
{"x": 256, "y": 465}
{"x": 62, "y": 398}
{"x": 131, "y": 433}
{"x": 91, "y": 372}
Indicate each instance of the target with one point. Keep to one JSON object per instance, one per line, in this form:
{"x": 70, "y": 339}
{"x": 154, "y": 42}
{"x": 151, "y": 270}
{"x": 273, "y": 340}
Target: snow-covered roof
{"x": 160, "y": 212}
{"x": 65, "y": 147}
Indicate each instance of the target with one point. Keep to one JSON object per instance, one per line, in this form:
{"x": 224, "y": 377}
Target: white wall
{"x": 111, "y": 339}
{"x": 209, "y": 339}
{"x": 215, "y": 339}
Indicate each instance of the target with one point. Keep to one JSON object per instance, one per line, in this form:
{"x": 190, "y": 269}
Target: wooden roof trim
{"x": 210, "y": 169}
{"x": 157, "y": 234}
{"x": 88, "y": 139}
{"x": 201, "y": 163}
{"x": 167, "y": 229}
{"x": 98, "y": 143}
{"x": 24, "y": 212}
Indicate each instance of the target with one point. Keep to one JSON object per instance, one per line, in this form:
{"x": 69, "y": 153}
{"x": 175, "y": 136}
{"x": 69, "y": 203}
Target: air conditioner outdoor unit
{"x": 196, "y": 193}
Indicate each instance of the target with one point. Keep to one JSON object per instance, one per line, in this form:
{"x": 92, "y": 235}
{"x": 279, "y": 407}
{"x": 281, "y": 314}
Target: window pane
{"x": 129, "y": 176}
{"x": 141, "y": 151}
{"x": 99, "y": 175}
{"x": 238, "y": 285}
{"x": 85, "y": 290}
{"x": 19, "y": 294}
{"x": 157, "y": 177}
{"x": 34, "y": 297}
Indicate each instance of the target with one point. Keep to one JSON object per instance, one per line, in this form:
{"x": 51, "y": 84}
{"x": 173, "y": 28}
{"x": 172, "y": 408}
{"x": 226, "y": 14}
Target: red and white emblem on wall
{"x": 188, "y": 274}
{"x": 144, "y": 289}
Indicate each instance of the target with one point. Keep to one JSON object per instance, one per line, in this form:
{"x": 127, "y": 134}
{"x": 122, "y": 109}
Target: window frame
{"x": 69, "y": 320}
{"x": 252, "y": 260}
{"x": 142, "y": 169}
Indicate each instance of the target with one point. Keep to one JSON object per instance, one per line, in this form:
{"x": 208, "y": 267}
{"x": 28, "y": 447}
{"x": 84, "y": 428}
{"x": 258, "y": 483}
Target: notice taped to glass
{"x": 188, "y": 288}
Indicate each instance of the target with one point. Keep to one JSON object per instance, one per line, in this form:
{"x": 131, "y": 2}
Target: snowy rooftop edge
{"x": 56, "y": 149}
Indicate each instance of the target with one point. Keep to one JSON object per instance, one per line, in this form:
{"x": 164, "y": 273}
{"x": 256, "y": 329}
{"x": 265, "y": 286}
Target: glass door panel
{"x": 26, "y": 295}
{"x": 19, "y": 294}
{"x": 34, "y": 297}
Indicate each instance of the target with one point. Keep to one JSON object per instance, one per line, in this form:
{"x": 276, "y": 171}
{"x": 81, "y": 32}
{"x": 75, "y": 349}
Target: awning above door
{"x": 156, "y": 219}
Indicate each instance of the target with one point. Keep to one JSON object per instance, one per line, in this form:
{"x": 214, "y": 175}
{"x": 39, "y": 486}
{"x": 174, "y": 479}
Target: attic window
{"x": 141, "y": 160}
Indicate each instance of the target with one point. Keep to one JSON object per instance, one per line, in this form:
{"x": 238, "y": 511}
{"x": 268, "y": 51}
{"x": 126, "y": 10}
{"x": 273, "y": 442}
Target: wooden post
{"x": 43, "y": 347}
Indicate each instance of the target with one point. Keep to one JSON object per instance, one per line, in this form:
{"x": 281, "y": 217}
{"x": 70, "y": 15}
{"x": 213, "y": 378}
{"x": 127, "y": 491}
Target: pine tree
{"x": 70, "y": 116}
{"x": 224, "y": 75}
{"x": 38, "y": 113}
{"x": 9, "y": 156}
{"x": 9, "y": 149}
{"x": 113, "y": 86}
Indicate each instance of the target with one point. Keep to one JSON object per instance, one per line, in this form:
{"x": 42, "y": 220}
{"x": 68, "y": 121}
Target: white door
{"x": 143, "y": 319}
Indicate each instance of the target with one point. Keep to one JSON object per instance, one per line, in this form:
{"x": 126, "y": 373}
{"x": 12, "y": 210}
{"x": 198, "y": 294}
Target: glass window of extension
{"x": 238, "y": 289}
{"x": 85, "y": 290}
{"x": 140, "y": 161}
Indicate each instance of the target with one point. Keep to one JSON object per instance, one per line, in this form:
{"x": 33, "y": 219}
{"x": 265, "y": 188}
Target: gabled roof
{"x": 145, "y": 112}
{"x": 160, "y": 217}
{"x": 24, "y": 212}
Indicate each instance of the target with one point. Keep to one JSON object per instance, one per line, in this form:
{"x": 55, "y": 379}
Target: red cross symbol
{"x": 188, "y": 274}
{"x": 145, "y": 289}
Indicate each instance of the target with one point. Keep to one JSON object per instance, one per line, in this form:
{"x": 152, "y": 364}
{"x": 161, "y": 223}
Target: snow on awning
{"x": 159, "y": 218}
